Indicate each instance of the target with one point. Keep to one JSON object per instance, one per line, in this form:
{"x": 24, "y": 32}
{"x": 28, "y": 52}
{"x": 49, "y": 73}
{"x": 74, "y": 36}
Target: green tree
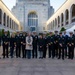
{"x": 62, "y": 29}
{"x": 2, "y": 33}
{"x": 8, "y": 33}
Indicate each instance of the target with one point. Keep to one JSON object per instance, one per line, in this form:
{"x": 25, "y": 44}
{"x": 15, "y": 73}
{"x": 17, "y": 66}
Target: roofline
{"x": 58, "y": 9}
{"x": 9, "y": 10}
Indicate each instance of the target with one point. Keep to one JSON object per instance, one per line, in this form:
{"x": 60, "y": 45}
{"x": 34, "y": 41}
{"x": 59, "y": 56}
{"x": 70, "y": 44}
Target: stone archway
{"x": 55, "y": 22}
{"x": 67, "y": 16}
{"x": 73, "y": 13}
{"x": 32, "y": 21}
{"x": 58, "y": 21}
{"x": 0, "y": 16}
{"x": 62, "y": 19}
{"x": 4, "y": 19}
{"x": 7, "y": 21}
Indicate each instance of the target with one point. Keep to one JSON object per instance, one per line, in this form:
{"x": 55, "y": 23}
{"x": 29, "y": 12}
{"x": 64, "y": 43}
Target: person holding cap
{"x": 5, "y": 39}
{"x": 61, "y": 46}
{"x": 51, "y": 45}
{"x": 56, "y": 37}
{"x": 71, "y": 46}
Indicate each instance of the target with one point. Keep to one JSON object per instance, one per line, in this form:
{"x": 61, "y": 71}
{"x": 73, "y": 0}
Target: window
{"x": 32, "y": 19}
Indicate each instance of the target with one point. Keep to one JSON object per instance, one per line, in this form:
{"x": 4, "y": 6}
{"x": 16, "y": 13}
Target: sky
{"x": 55, "y": 3}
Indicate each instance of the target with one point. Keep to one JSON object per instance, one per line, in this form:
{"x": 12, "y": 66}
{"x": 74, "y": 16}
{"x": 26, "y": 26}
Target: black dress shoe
{"x": 58, "y": 58}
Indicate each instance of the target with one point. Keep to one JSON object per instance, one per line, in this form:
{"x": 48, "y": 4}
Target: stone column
{"x": 70, "y": 13}
{"x": 2, "y": 18}
{"x": 9, "y": 23}
{"x": 64, "y": 19}
{"x": 60, "y": 21}
{"x": 6, "y": 22}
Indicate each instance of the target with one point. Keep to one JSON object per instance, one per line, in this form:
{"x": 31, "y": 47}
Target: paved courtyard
{"x": 19, "y": 66}
{"x": 37, "y": 66}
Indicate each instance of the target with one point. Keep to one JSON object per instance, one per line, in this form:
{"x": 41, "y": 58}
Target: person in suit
{"x": 35, "y": 40}
{"x": 71, "y": 46}
{"x": 23, "y": 42}
{"x": 12, "y": 44}
{"x": 56, "y": 37}
{"x": 65, "y": 46}
{"x": 51, "y": 45}
{"x": 18, "y": 45}
{"x": 40, "y": 46}
{"x": 61, "y": 43}
{"x": 5, "y": 39}
{"x": 0, "y": 40}
{"x": 45, "y": 45}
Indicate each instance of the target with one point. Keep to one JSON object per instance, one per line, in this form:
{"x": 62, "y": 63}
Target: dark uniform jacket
{"x": 71, "y": 41}
{"x": 23, "y": 40}
{"x": 5, "y": 40}
{"x": 56, "y": 39}
{"x": 45, "y": 41}
{"x": 40, "y": 44}
{"x": 35, "y": 40}
{"x": 12, "y": 41}
{"x": 66, "y": 40}
{"x": 50, "y": 40}
{"x": 61, "y": 41}
{"x": 18, "y": 40}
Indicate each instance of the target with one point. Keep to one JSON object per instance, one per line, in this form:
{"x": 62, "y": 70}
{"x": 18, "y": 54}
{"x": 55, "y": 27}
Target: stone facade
{"x": 63, "y": 17}
{"x": 39, "y": 8}
{"x": 7, "y": 20}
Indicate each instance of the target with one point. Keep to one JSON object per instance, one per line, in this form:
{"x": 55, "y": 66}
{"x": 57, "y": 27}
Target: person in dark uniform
{"x": 12, "y": 44}
{"x": 0, "y": 40}
{"x": 74, "y": 39}
{"x": 5, "y": 39}
{"x": 40, "y": 46}
{"x": 61, "y": 46}
{"x": 65, "y": 46}
{"x": 18, "y": 45}
{"x": 71, "y": 46}
{"x": 23, "y": 43}
{"x": 56, "y": 37}
{"x": 35, "y": 40}
{"x": 51, "y": 45}
{"x": 45, "y": 45}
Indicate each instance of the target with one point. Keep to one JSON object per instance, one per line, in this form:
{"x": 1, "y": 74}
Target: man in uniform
{"x": 61, "y": 46}
{"x": 45, "y": 45}
{"x": 51, "y": 46}
{"x": 66, "y": 40}
{"x": 35, "y": 40}
{"x": 23, "y": 44}
{"x": 18, "y": 45}
{"x": 5, "y": 40}
{"x": 56, "y": 37}
{"x": 71, "y": 45}
{"x": 12, "y": 45}
{"x": 40, "y": 46}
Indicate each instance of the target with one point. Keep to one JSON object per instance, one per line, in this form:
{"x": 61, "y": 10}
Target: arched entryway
{"x": 4, "y": 19}
{"x": 0, "y": 16}
{"x": 73, "y": 13}
{"x": 62, "y": 19}
{"x": 7, "y": 21}
{"x": 58, "y": 21}
{"x": 32, "y": 21}
{"x": 67, "y": 16}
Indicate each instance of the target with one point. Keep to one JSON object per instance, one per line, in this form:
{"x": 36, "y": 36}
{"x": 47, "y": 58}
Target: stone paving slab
{"x": 19, "y": 66}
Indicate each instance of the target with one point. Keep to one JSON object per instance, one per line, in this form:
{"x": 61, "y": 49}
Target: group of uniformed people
{"x": 27, "y": 45}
